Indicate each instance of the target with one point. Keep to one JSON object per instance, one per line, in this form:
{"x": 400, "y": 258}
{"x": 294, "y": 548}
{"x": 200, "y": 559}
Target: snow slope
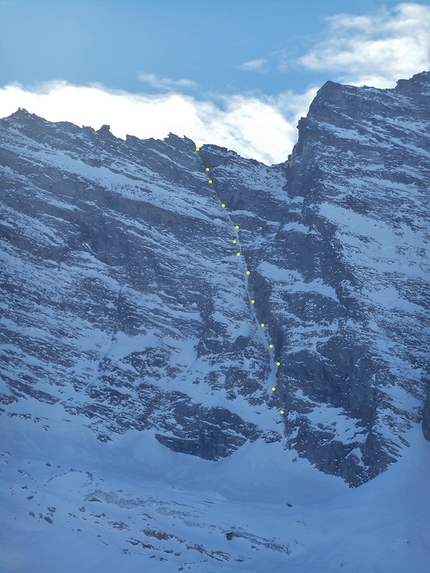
{"x": 74, "y": 504}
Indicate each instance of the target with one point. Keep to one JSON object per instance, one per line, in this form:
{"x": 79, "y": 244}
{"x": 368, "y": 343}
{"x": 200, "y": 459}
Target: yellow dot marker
{"x": 278, "y": 364}
{"x": 197, "y": 148}
{"x": 248, "y": 272}
{"x": 282, "y": 412}
{"x": 234, "y": 241}
{"x": 208, "y": 168}
{"x": 237, "y": 254}
{"x": 223, "y": 205}
{"x": 270, "y": 345}
{"x": 262, "y": 325}
{"x": 237, "y": 227}
{"x": 273, "y": 388}
{"x": 252, "y": 301}
{"x": 210, "y": 181}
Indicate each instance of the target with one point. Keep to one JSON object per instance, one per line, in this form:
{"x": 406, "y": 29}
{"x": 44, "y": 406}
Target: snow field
{"x": 132, "y": 502}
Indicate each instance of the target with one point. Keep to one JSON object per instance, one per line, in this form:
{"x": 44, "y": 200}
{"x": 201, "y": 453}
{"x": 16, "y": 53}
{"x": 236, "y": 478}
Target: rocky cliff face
{"x": 215, "y": 300}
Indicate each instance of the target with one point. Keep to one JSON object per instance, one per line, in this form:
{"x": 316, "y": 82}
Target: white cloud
{"x": 376, "y": 49}
{"x": 253, "y": 65}
{"x": 261, "y": 128}
{"x": 166, "y": 83}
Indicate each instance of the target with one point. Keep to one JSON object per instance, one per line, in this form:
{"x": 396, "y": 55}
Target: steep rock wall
{"x": 126, "y": 301}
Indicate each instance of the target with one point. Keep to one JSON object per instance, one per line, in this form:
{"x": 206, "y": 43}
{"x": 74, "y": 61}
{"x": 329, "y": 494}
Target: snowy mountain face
{"x": 204, "y": 304}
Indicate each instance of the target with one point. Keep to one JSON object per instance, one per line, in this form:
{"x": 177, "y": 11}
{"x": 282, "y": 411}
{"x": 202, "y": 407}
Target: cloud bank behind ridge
{"x": 374, "y": 50}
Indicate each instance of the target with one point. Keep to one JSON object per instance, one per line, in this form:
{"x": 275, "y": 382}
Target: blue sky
{"x": 234, "y": 72}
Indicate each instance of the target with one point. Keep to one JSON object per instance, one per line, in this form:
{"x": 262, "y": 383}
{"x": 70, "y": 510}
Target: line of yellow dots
{"x": 282, "y": 411}
{"x": 248, "y": 272}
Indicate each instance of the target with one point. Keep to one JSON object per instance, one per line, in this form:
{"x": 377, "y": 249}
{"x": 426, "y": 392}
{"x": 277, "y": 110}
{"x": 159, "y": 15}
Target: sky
{"x": 237, "y": 73}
